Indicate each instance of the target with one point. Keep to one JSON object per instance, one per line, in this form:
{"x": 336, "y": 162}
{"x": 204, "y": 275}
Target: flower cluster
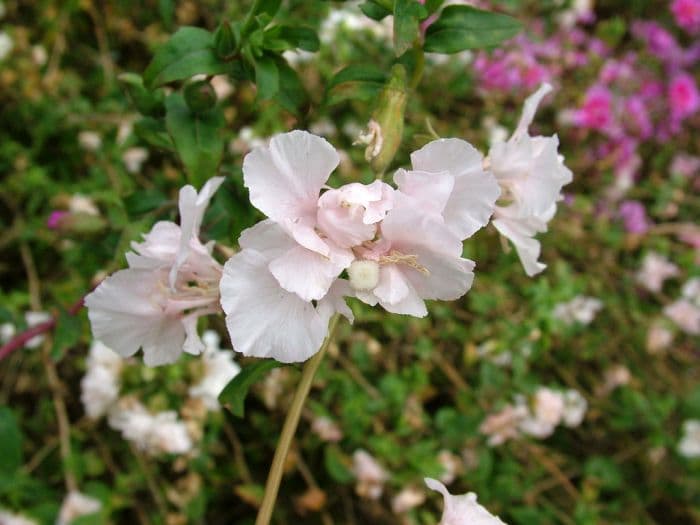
{"x": 395, "y": 246}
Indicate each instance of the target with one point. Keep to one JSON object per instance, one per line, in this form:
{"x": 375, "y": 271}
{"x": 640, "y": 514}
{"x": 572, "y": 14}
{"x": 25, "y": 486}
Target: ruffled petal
{"x": 529, "y": 110}
{"x": 521, "y": 232}
{"x": 285, "y": 179}
{"x": 262, "y": 318}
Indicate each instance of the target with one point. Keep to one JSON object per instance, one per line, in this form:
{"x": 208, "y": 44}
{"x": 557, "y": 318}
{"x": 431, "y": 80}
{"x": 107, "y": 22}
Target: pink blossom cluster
{"x": 396, "y": 246}
{"x": 687, "y": 14}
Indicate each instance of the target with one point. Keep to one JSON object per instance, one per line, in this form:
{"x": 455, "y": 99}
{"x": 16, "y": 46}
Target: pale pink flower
{"x": 369, "y": 474}
{"x": 219, "y": 370}
{"x": 171, "y": 281}
{"x": 689, "y": 445}
{"x": 76, "y": 505}
{"x": 462, "y": 510}
{"x": 654, "y": 271}
{"x": 9, "y": 518}
{"x": 575, "y": 407}
{"x": 409, "y": 498}
{"x": 451, "y": 464}
{"x": 685, "y": 314}
{"x": 326, "y": 429}
{"x": 546, "y": 413}
{"x": 503, "y": 425}
{"x": 531, "y": 174}
{"x": 285, "y": 182}
{"x": 659, "y": 338}
{"x": 100, "y": 385}
{"x": 581, "y": 309}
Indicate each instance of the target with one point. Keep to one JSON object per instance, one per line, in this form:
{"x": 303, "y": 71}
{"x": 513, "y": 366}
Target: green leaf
{"x": 67, "y": 333}
{"x": 335, "y": 464}
{"x": 296, "y": 38}
{"x": 153, "y": 132}
{"x": 233, "y": 396}
{"x": 166, "y": 8}
{"x": 198, "y": 138}
{"x": 292, "y": 94}
{"x": 407, "y": 16}
{"x": 190, "y": 51}
{"x": 267, "y": 77}
{"x": 374, "y": 10}
{"x": 10, "y": 442}
{"x": 463, "y": 27}
{"x": 143, "y": 201}
{"x": 358, "y": 82}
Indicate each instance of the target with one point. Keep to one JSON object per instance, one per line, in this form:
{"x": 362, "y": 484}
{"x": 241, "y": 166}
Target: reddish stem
{"x": 20, "y": 340}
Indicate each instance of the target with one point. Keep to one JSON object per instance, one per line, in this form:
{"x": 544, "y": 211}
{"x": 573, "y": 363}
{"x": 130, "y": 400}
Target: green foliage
{"x": 407, "y": 17}
{"x": 355, "y": 82}
{"x": 462, "y": 27}
{"x": 190, "y": 51}
{"x": 233, "y": 396}
{"x": 10, "y": 442}
{"x": 197, "y": 136}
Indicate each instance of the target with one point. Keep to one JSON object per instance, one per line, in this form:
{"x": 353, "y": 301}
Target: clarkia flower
{"x": 687, "y": 14}
{"x": 171, "y": 281}
{"x": 531, "y": 174}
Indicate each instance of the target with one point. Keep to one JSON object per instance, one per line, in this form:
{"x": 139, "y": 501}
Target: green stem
{"x": 419, "y": 66}
{"x": 289, "y": 429}
{"x": 248, "y": 20}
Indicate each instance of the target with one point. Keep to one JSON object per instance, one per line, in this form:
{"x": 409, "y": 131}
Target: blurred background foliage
{"x": 403, "y": 389}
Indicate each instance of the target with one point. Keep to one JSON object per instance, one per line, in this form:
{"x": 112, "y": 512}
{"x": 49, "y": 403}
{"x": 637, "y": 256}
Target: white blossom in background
{"x": 296, "y": 57}
{"x": 685, "y": 314}
{"x": 10, "y": 518}
{"x": 39, "y": 55}
{"x": 6, "y": 45}
{"x": 33, "y": 319}
{"x": 579, "y": 10}
{"x": 171, "y": 281}
{"x": 100, "y": 384}
{"x": 452, "y": 465}
{"x": 156, "y": 433}
{"x": 504, "y": 424}
{"x": 462, "y": 510}
{"x": 575, "y": 407}
{"x": 76, "y": 505}
{"x": 691, "y": 291}
{"x": 369, "y": 474}
{"x": 689, "y": 445}
{"x": 219, "y": 369}
{"x": 133, "y": 159}
{"x": 581, "y": 309}
{"x": 654, "y": 271}
{"x": 222, "y": 87}
{"x": 546, "y": 412}
{"x": 615, "y": 377}
{"x": 351, "y": 19}
{"x": 79, "y": 203}
{"x": 326, "y": 429}
{"x": 531, "y": 174}
{"x": 659, "y": 338}
{"x": 90, "y": 140}
{"x": 246, "y": 141}
{"x": 7, "y": 332}
{"x": 407, "y": 499}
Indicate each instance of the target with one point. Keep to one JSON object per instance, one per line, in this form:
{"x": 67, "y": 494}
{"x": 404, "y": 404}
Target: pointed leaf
{"x": 358, "y": 82}
{"x": 190, "y": 51}
{"x": 10, "y": 442}
{"x": 198, "y": 138}
{"x": 266, "y": 77}
{"x": 407, "y": 16}
{"x": 463, "y": 27}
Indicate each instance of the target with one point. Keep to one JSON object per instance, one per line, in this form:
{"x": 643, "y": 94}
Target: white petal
{"x": 309, "y": 274}
{"x": 285, "y": 178}
{"x": 529, "y": 110}
{"x": 462, "y": 510}
{"x": 471, "y": 203}
{"x": 431, "y": 191}
{"x": 521, "y": 232}
{"x": 268, "y": 238}
{"x": 334, "y": 301}
{"x": 393, "y": 286}
{"x": 125, "y": 314}
{"x": 262, "y": 318}
{"x": 454, "y": 156}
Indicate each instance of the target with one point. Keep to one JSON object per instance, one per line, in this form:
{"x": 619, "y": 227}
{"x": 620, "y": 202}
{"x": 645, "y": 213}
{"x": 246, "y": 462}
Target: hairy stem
{"x": 289, "y": 429}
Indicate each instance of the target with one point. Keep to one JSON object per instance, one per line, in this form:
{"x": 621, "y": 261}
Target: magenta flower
{"x": 597, "y": 110}
{"x": 683, "y": 96}
{"x": 687, "y": 14}
{"x": 634, "y": 217}
{"x": 55, "y": 219}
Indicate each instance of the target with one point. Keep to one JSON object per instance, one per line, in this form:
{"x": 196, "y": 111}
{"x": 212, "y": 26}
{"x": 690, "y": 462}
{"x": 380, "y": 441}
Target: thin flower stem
{"x": 289, "y": 429}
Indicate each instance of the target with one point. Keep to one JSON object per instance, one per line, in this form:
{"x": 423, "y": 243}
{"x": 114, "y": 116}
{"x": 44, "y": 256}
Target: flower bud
{"x": 387, "y": 121}
{"x": 200, "y": 96}
{"x": 225, "y": 41}
{"x": 364, "y": 275}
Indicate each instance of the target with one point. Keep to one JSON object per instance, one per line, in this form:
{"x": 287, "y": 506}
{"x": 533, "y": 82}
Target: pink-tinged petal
{"x": 342, "y": 219}
{"x": 125, "y": 313}
{"x": 304, "y": 232}
{"x": 192, "y": 207}
{"x": 406, "y": 227}
{"x": 334, "y": 301}
{"x": 159, "y": 247}
{"x": 309, "y": 274}
{"x": 412, "y": 304}
{"x": 475, "y": 191}
{"x": 521, "y": 232}
{"x": 263, "y": 319}
{"x": 529, "y": 110}
{"x": 285, "y": 179}
{"x": 193, "y": 343}
{"x": 429, "y": 191}
{"x": 393, "y": 286}
{"x": 448, "y": 278}
{"x": 268, "y": 238}
{"x": 455, "y": 156}
{"x": 463, "y": 509}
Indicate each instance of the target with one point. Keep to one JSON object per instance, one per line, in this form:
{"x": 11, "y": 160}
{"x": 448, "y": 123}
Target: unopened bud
{"x": 200, "y": 96}
{"x": 387, "y": 120}
{"x": 225, "y": 41}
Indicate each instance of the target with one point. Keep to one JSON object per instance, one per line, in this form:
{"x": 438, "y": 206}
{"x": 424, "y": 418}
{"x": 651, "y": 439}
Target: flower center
{"x": 364, "y": 274}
